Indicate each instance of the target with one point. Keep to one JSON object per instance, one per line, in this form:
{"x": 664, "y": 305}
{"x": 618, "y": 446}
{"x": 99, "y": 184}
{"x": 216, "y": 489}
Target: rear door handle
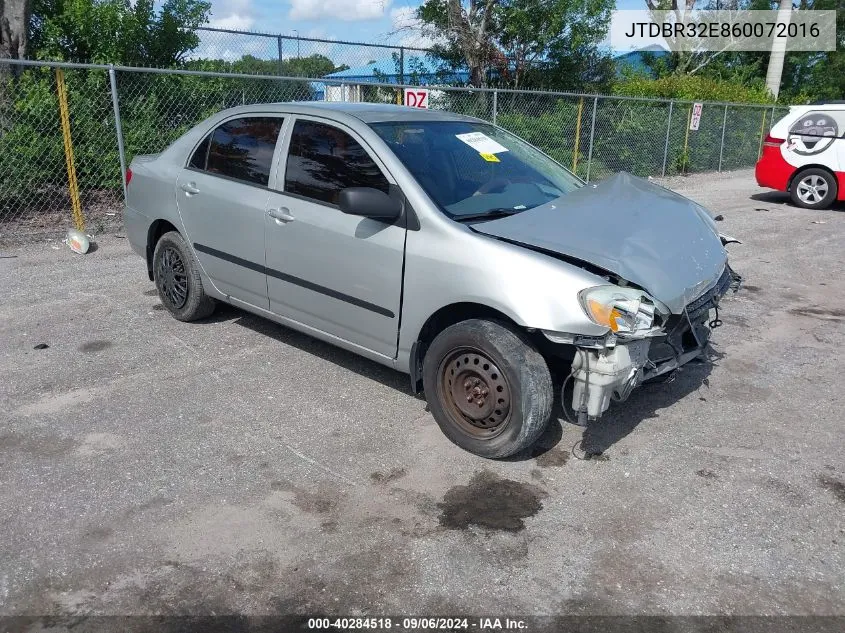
{"x": 281, "y": 216}
{"x": 189, "y": 188}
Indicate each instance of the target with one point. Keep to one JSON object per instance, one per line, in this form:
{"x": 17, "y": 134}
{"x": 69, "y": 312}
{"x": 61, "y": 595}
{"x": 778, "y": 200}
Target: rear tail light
{"x": 128, "y": 176}
{"x": 772, "y": 141}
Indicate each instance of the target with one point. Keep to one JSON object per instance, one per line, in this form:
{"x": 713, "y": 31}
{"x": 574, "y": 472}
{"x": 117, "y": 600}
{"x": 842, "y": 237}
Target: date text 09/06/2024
{"x": 418, "y": 623}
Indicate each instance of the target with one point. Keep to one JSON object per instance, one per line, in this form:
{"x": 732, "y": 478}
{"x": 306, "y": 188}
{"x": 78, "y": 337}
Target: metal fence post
{"x": 401, "y": 65}
{"x": 72, "y": 183}
{"x": 279, "y": 44}
{"x": 592, "y": 135}
{"x": 118, "y": 126}
{"x": 722, "y": 145}
{"x": 577, "y": 136}
{"x": 495, "y": 105}
{"x": 666, "y": 144}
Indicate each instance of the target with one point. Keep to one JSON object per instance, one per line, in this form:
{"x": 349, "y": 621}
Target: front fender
{"x": 531, "y": 289}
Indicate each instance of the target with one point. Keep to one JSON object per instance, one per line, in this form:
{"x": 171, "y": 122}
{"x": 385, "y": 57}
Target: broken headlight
{"x": 623, "y": 310}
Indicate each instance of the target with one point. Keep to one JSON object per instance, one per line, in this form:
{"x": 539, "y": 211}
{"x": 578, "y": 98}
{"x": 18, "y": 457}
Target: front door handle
{"x": 189, "y": 188}
{"x": 281, "y": 215}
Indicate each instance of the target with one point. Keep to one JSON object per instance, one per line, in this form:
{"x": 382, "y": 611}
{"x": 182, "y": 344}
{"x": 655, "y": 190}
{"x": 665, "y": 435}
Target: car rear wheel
{"x": 488, "y": 388}
{"x": 813, "y": 189}
{"x": 177, "y": 278}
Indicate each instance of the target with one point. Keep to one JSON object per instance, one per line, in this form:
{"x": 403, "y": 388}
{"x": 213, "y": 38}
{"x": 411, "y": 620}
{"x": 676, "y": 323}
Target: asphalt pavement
{"x": 149, "y": 466}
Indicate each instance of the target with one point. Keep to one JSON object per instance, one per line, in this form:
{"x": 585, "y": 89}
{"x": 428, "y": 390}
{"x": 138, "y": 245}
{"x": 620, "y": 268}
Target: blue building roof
{"x": 420, "y": 67}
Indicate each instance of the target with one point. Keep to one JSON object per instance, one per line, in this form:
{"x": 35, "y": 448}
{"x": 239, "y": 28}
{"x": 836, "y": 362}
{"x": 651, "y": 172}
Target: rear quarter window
{"x": 241, "y": 149}
{"x": 815, "y": 131}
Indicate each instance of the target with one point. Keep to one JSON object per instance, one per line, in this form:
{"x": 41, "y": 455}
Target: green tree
{"x": 806, "y": 75}
{"x": 522, "y": 43}
{"x": 117, "y": 31}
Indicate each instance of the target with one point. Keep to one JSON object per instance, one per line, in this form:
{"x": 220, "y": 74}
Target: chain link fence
{"x": 115, "y": 113}
{"x": 295, "y": 56}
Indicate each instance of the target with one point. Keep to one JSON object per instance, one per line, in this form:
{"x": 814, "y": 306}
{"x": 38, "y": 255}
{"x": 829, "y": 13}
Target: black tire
{"x": 499, "y": 361}
{"x": 177, "y": 278}
{"x": 804, "y": 199}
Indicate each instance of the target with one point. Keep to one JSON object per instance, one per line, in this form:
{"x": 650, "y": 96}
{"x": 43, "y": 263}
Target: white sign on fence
{"x": 416, "y": 97}
{"x": 696, "y": 116}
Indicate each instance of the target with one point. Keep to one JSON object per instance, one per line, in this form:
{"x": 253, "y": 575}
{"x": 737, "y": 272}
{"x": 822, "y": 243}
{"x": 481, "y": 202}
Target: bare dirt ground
{"x": 233, "y": 466}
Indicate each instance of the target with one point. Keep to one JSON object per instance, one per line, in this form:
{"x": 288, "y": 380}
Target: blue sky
{"x": 357, "y": 20}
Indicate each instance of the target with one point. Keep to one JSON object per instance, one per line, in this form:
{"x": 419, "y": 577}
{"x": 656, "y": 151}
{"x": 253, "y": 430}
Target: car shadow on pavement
{"x": 781, "y": 198}
{"x": 621, "y": 419}
{"x": 646, "y": 402}
{"x": 358, "y": 364}
{"x": 771, "y": 197}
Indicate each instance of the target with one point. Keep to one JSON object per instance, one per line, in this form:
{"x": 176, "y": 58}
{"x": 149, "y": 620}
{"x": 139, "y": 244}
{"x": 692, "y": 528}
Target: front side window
{"x": 472, "y": 170}
{"x": 241, "y": 149}
{"x": 323, "y": 160}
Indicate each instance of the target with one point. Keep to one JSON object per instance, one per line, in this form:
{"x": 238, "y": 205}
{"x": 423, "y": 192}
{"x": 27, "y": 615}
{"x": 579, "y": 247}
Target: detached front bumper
{"x": 612, "y": 373}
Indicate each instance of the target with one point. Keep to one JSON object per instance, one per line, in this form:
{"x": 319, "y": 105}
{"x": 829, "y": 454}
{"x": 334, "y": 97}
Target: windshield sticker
{"x": 481, "y": 143}
{"x": 490, "y": 158}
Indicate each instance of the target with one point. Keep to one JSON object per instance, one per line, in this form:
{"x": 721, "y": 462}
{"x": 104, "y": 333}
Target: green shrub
{"x": 692, "y": 88}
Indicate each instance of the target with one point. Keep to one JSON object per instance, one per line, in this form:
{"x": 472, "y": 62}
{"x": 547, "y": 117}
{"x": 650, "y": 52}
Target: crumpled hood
{"x": 648, "y": 235}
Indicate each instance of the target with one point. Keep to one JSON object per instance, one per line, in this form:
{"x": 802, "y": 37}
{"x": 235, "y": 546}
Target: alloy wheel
{"x": 812, "y": 189}
{"x": 172, "y": 278}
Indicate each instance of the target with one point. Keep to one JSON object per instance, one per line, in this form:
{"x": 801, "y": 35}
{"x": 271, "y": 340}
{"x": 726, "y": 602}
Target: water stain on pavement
{"x": 383, "y": 478}
{"x": 833, "y": 484}
{"x": 39, "y": 446}
{"x": 322, "y": 502}
{"x": 550, "y": 457}
{"x": 98, "y": 533}
{"x": 824, "y": 314}
{"x": 94, "y": 346}
{"x": 490, "y": 502}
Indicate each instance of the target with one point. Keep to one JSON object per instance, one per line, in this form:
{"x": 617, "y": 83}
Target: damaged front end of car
{"x": 645, "y": 340}
{"x": 664, "y": 268}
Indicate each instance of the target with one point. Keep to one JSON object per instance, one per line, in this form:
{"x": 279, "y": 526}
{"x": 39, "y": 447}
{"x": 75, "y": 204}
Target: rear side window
{"x": 323, "y": 160}
{"x": 241, "y": 149}
{"x": 815, "y": 131}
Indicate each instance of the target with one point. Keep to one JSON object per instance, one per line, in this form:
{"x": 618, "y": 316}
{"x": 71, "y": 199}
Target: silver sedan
{"x": 436, "y": 244}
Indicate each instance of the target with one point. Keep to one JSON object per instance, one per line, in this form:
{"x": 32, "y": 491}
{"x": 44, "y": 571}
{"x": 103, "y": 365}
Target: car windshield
{"x": 475, "y": 171}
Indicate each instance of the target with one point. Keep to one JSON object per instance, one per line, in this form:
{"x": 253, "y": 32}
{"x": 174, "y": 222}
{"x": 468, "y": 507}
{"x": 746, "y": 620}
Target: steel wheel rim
{"x": 172, "y": 277}
{"x": 812, "y": 189}
{"x": 475, "y": 393}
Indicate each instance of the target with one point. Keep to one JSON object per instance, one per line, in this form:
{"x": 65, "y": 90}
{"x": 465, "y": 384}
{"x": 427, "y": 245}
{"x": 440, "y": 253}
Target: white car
{"x": 804, "y": 154}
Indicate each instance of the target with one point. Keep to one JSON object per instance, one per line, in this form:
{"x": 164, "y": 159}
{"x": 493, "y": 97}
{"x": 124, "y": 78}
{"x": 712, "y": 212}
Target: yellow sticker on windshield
{"x": 490, "y": 158}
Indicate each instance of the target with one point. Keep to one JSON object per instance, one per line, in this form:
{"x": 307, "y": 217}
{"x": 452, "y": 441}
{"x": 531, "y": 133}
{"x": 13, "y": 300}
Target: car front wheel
{"x": 488, "y": 387}
{"x": 813, "y": 189}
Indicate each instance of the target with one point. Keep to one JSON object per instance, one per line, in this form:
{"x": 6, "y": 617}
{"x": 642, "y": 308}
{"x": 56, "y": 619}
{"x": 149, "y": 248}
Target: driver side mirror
{"x": 369, "y": 203}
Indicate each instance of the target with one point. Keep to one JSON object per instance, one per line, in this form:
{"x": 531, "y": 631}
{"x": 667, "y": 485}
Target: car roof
{"x": 366, "y": 112}
{"x": 817, "y": 105}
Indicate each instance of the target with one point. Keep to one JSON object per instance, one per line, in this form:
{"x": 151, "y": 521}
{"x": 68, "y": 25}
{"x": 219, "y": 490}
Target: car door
{"x": 222, "y": 194}
{"x": 338, "y": 273}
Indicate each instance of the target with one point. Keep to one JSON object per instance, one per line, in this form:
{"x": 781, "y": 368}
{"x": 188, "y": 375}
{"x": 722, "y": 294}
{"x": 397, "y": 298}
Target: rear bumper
{"x": 137, "y": 226}
{"x": 772, "y": 170}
